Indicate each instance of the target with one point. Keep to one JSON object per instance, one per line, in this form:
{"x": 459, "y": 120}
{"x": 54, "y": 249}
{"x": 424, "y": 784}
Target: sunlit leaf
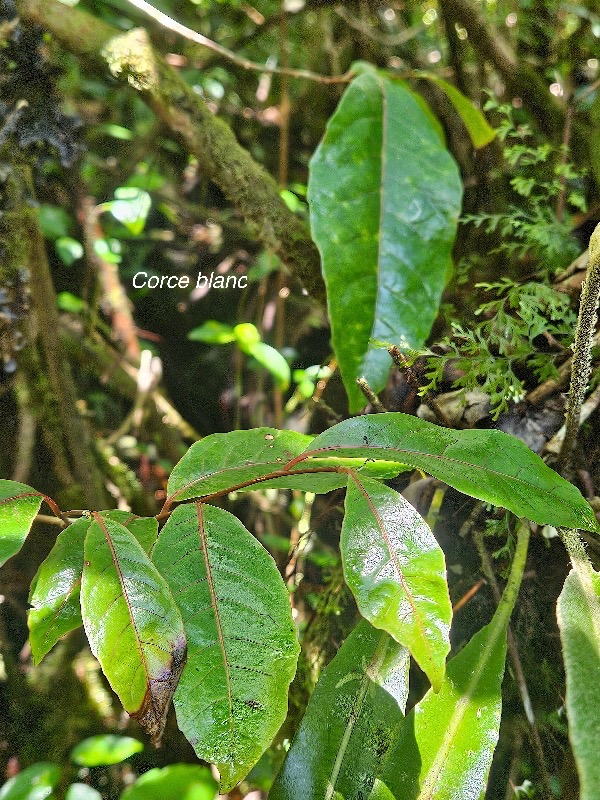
{"x": 478, "y": 128}
{"x": 131, "y": 207}
{"x": 81, "y": 791}
{"x": 54, "y": 594}
{"x": 176, "y": 782}
{"x": 33, "y": 783}
{"x": 272, "y": 360}
{"x": 351, "y": 719}
{"x": 486, "y": 464}
{"x": 384, "y": 196}
{"x": 132, "y": 623}
{"x": 97, "y": 751}
{"x": 578, "y": 612}
{"x": 242, "y": 645}
{"x": 397, "y": 572}
{"x": 19, "y": 505}
{"x": 212, "y": 332}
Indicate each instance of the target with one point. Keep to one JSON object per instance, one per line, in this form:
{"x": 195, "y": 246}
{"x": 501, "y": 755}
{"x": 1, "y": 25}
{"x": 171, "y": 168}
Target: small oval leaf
{"x": 98, "y": 751}
{"x": 397, "y": 572}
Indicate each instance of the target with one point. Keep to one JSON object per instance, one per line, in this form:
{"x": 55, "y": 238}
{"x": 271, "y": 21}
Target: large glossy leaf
{"x": 489, "y": 465}
{"x": 351, "y": 719}
{"x": 177, "y": 782}
{"x": 578, "y": 613}
{"x": 445, "y": 745}
{"x": 384, "y": 196}
{"x": 397, "y": 572}
{"x": 242, "y": 646}
{"x": 224, "y": 461}
{"x": 33, "y": 783}
{"x": 19, "y": 505}
{"x": 54, "y": 594}
{"x": 132, "y": 623}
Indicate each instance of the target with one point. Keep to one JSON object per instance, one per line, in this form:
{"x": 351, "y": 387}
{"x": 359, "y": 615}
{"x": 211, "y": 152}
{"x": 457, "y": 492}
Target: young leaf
{"x": 350, "y": 721}
{"x": 54, "y": 594}
{"x": 397, "y": 572}
{"x": 445, "y": 745}
{"x": 242, "y": 646}
{"x": 177, "y": 782}
{"x": 19, "y": 505}
{"x": 132, "y": 623}
{"x": 478, "y": 128}
{"x": 384, "y": 197}
{"x": 578, "y": 612}
{"x": 486, "y": 464}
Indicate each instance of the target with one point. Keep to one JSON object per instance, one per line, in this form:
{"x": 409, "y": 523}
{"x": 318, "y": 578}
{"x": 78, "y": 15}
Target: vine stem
{"x": 582, "y": 349}
{"x": 172, "y": 25}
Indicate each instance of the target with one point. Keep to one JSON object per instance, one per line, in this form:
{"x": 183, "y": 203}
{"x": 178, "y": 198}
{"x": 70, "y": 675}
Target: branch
{"x": 172, "y": 25}
{"x": 245, "y": 183}
{"x": 519, "y": 77}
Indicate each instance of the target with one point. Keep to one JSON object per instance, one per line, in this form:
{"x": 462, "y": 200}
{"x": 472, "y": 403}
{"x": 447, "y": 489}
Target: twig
{"x": 172, "y": 25}
{"x": 370, "y": 395}
{"x": 582, "y": 356}
{"x": 404, "y": 366}
{"x": 386, "y": 39}
{"x": 557, "y": 442}
{"x": 114, "y": 296}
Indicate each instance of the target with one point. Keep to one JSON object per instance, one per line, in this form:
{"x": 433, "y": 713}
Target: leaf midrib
{"x": 213, "y": 601}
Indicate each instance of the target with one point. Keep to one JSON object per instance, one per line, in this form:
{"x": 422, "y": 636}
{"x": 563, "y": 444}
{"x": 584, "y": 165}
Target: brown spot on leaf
{"x": 152, "y": 715}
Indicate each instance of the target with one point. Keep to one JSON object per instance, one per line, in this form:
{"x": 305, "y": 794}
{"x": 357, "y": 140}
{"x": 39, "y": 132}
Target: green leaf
{"x": 69, "y": 250}
{"x": 132, "y": 623}
{"x": 478, "y": 128}
{"x": 99, "y": 751}
{"x": 145, "y": 529}
{"x": 54, "y": 594}
{"x": 81, "y": 791}
{"x": 486, "y": 464}
{"x": 242, "y": 646}
{"x": 131, "y": 207}
{"x": 397, "y": 572}
{"x": 384, "y": 197}
{"x": 272, "y": 360}
{"x": 177, "y": 782}
{"x": 578, "y": 612}
{"x": 33, "y": 783}
{"x": 19, "y": 505}
{"x": 246, "y": 336}
{"x": 445, "y": 745}
{"x": 239, "y": 459}
{"x": 212, "y": 332}
{"x": 352, "y": 717}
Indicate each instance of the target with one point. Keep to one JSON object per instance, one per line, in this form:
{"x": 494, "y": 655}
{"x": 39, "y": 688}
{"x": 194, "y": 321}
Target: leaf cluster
{"x": 512, "y": 337}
